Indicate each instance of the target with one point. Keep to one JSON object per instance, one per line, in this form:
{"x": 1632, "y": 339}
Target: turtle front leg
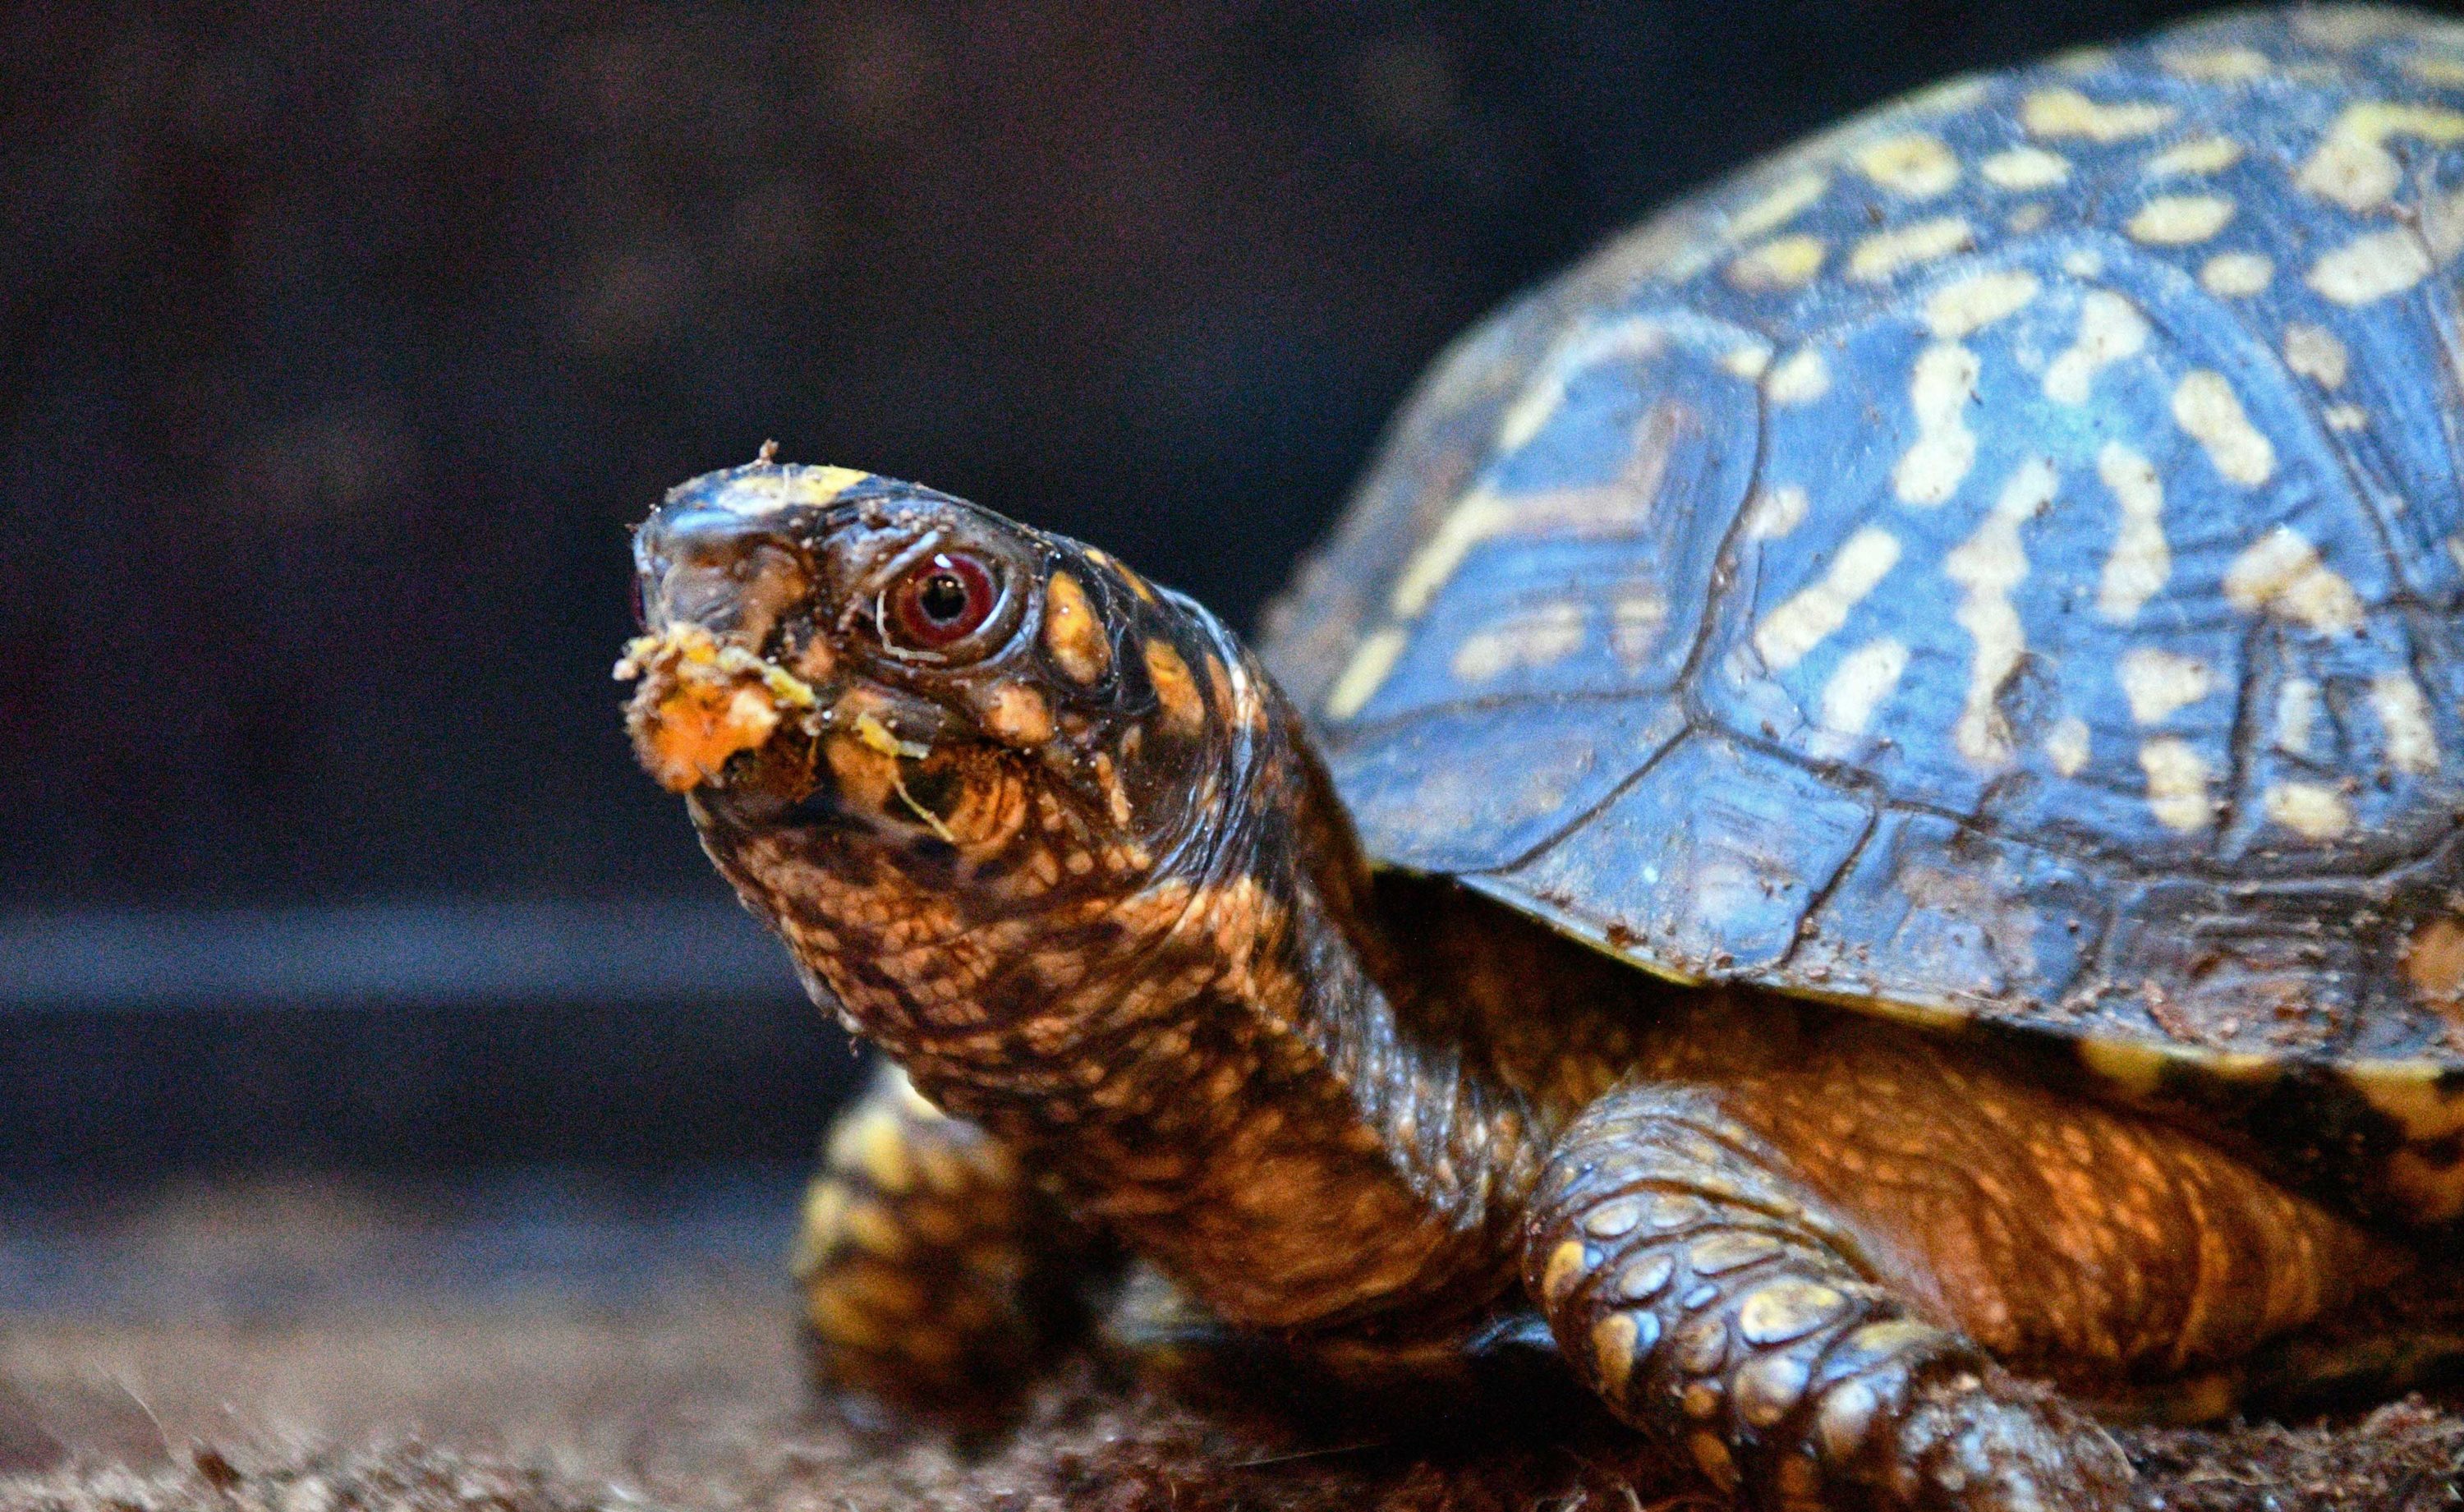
{"x": 1711, "y": 1297}
{"x": 937, "y": 1274}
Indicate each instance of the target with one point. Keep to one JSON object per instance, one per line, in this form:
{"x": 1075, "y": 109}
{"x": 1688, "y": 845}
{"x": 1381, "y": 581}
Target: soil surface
{"x": 309, "y": 1349}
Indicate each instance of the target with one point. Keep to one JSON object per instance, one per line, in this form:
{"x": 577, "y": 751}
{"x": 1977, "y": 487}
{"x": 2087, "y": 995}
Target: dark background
{"x": 337, "y": 346}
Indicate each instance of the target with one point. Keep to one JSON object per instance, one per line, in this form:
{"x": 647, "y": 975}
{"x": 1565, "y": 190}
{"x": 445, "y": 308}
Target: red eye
{"x": 944, "y": 600}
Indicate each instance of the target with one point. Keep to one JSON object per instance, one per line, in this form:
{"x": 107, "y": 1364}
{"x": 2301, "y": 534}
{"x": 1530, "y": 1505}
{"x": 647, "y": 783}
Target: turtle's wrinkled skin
{"x": 1859, "y": 827}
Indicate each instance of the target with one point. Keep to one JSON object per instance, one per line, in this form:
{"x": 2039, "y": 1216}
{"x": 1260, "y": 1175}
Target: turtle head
{"x": 918, "y": 736}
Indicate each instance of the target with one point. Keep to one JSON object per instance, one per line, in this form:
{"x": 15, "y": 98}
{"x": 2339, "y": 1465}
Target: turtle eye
{"x": 946, "y": 598}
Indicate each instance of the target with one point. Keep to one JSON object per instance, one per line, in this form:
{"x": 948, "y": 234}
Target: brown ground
{"x": 281, "y": 1380}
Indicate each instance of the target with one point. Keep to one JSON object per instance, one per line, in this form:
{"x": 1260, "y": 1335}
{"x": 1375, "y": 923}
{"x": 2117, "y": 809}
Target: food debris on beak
{"x": 698, "y": 703}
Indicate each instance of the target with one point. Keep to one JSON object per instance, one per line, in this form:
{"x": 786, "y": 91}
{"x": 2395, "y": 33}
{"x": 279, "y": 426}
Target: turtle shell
{"x": 1996, "y": 563}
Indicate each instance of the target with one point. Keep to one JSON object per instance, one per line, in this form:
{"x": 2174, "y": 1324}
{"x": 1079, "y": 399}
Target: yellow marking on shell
{"x": 2054, "y": 113}
{"x": 2110, "y": 329}
{"x": 2083, "y": 262}
{"x": 1123, "y": 571}
{"x": 2352, "y": 166}
{"x": 1371, "y": 664}
{"x": 2432, "y": 68}
{"x": 2317, "y": 354}
{"x": 1184, "y": 711}
{"x": 2025, "y": 168}
{"x": 2196, "y": 157}
{"x": 1480, "y": 516}
{"x": 1966, "y": 306}
{"x": 1799, "y": 378}
{"x": 778, "y": 487}
{"x": 2066, "y": 745}
{"x": 2159, "y": 683}
{"x": 1792, "y": 197}
{"x": 1612, "y": 1341}
{"x": 2403, "y": 713}
{"x": 2135, "y": 1069}
{"x": 1885, "y": 253}
{"x": 1817, "y": 611}
{"x": 1533, "y": 638}
{"x": 1619, "y": 340}
{"x": 1949, "y": 97}
{"x": 2141, "y": 560}
{"x": 1986, "y": 566}
{"x": 1778, "y": 265}
{"x": 1856, "y": 687}
{"x": 1018, "y": 714}
{"x": 1776, "y": 511}
{"x": 2206, "y": 405}
{"x": 2237, "y": 275}
{"x": 1071, "y": 633}
{"x": 1748, "y": 362}
{"x": 2296, "y": 713}
{"x": 2344, "y": 27}
{"x": 2220, "y": 65}
{"x": 2280, "y": 575}
{"x": 2029, "y": 218}
{"x": 2180, "y": 220}
{"x": 2372, "y": 267}
{"x": 2177, "y": 784}
{"x": 1914, "y": 166}
{"x": 2312, "y": 810}
{"x": 1635, "y": 622}
{"x": 2346, "y": 417}
{"x": 2433, "y": 962}
{"x": 1565, "y": 1269}
{"x": 1941, "y": 386}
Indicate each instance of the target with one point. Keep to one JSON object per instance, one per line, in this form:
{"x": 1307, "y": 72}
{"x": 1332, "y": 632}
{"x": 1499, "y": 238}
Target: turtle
{"x": 1854, "y": 838}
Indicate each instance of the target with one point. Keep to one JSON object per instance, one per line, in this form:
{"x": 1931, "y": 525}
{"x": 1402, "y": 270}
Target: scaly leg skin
{"x": 1798, "y": 1297}
{"x": 937, "y": 1277}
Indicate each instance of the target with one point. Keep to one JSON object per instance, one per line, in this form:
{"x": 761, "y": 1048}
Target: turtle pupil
{"x": 942, "y": 596}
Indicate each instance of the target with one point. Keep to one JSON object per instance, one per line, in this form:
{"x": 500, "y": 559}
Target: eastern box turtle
{"x": 1864, "y": 806}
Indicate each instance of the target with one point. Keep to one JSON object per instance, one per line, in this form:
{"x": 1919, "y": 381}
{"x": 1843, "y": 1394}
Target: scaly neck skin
{"x": 1198, "y": 1033}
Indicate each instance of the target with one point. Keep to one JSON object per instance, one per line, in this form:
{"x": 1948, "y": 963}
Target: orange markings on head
{"x": 1071, "y": 633}
{"x": 1184, "y": 713}
{"x": 1017, "y": 714}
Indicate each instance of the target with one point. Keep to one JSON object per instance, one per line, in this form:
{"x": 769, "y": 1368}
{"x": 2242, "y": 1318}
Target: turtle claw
{"x": 1997, "y": 1446}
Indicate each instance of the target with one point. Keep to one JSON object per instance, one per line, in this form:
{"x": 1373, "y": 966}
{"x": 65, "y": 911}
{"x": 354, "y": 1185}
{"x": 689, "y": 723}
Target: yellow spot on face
{"x": 1536, "y": 638}
{"x": 2403, "y": 713}
{"x": 2067, "y": 113}
{"x": 1886, "y": 253}
{"x": 2025, "y": 168}
{"x": 1078, "y": 645}
{"x": 2199, "y": 155}
{"x": 2315, "y": 352}
{"x": 1364, "y": 673}
{"x": 2205, "y": 405}
{"x": 1747, "y": 363}
{"x": 2311, "y": 810}
{"x": 2141, "y": 561}
{"x": 2296, "y": 712}
{"x": 1793, "y": 198}
{"x": 1612, "y": 1340}
{"x": 2177, "y": 784}
{"x": 1988, "y": 566}
{"x": 2179, "y": 220}
{"x": 1858, "y": 686}
{"x": 1018, "y": 714}
{"x": 1801, "y": 378}
{"x": 2066, "y": 745}
{"x": 1820, "y": 608}
{"x": 1776, "y": 511}
{"x": 1914, "y": 166}
{"x": 2110, "y": 329}
{"x": 2352, "y": 166}
{"x": 2157, "y": 683}
{"x": 2220, "y": 65}
{"x": 1969, "y": 305}
{"x": 1184, "y": 711}
{"x": 2281, "y": 575}
{"x": 1480, "y": 516}
{"x": 2372, "y": 267}
{"x": 1777, "y": 265}
{"x": 1939, "y": 389}
{"x": 2237, "y": 275}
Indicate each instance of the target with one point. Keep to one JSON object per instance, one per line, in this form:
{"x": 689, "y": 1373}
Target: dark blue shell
{"x": 1999, "y": 561}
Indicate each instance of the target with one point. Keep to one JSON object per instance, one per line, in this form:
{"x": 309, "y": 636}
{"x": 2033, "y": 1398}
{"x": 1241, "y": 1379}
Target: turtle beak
{"x": 731, "y": 576}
